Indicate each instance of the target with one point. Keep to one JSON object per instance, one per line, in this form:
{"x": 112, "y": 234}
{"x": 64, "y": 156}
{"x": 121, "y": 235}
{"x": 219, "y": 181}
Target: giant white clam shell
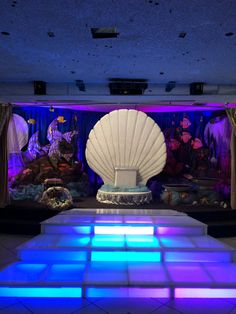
{"x": 126, "y": 138}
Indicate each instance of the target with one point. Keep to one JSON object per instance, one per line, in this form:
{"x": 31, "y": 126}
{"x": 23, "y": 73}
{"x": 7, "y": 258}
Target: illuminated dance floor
{"x": 121, "y": 253}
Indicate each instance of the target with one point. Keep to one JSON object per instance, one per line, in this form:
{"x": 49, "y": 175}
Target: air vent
{"x": 104, "y": 32}
{"x": 127, "y": 86}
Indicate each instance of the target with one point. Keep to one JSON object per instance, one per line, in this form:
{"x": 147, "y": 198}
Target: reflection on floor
{"x": 165, "y": 255}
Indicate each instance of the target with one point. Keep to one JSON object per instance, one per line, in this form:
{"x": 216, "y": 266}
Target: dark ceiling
{"x": 176, "y": 40}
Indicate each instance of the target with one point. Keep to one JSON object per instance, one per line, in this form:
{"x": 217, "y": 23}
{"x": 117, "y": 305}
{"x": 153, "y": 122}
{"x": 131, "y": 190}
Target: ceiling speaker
{"x": 196, "y": 88}
{"x": 39, "y": 88}
{"x": 127, "y": 86}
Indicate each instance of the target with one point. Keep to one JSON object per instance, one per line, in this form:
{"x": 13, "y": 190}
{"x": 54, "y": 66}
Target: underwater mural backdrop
{"x": 198, "y": 155}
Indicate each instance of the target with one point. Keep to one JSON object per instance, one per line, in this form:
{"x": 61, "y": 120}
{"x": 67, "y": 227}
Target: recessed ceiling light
{"x": 229, "y": 34}
{"x": 5, "y": 33}
{"x": 51, "y": 34}
{"x": 104, "y": 32}
{"x": 182, "y": 34}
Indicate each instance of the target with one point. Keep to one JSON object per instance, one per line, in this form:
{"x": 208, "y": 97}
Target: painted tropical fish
{"x": 185, "y": 123}
{"x": 61, "y": 119}
{"x": 174, "y": 144}
{"x": 196, "y": 143}
{"x": 31, "y": 121}
{"x": 186, "y": 136}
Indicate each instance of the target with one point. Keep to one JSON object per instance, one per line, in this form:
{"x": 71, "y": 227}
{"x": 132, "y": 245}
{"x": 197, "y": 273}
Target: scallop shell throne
{"x": 126, "y": 148}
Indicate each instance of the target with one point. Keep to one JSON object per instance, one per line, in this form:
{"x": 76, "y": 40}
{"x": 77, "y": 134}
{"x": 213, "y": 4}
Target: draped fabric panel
{"x": 5, "y": 114}
{"x": 231, "y": 112}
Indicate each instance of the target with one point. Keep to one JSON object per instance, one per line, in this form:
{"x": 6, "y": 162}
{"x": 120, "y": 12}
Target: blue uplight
{"x": 66, "y": 272}
{"x": 144, "y": 241}
{"x": 67, "y": 229}
{"x": 73, "y": 241}
{"x": 126, "y": 256}
{"x": 53, "y": 255}
{"x": 38, "y": 292}
{"x": 108, "y": 241}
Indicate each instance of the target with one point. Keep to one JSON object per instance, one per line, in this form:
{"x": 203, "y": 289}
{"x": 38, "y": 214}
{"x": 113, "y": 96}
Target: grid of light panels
{"x": 121, "y": 253}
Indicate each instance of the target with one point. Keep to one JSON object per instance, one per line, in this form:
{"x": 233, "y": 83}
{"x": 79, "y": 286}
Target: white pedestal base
{"x": 124, "y": 198}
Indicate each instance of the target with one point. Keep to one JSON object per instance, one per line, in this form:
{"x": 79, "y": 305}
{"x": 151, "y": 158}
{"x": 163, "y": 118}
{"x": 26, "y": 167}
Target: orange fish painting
{"x": 196, "y": 143}
{"x": 61, "y": 119}
{"x": 174, "y": 144}
{"x": 185, "y": 123}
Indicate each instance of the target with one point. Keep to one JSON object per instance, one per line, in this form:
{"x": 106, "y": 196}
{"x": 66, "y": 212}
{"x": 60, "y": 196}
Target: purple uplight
{"x": 179, "y": 230}
{"x": 107, "y": 221}
{"x": 204, "y": 293}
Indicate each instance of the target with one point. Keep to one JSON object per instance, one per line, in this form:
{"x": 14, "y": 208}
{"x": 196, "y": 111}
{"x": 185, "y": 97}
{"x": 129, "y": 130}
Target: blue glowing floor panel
{"x": 121, "y": 253}
{"x": 28, "y": 279}
{"x": 61, "y": 248}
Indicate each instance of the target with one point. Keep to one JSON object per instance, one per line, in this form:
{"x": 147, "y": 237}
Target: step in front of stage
{"x": 122, "y": 253}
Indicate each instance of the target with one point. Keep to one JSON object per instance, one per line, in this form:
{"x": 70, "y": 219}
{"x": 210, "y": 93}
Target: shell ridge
{"x": 142, "y": 128}
{"x": 153, "y": 169}
{"x": 123, "y": 134}
{"x": 159, "y": 153}
{"x": 133, "y": 136}
{"x": 115, "y": 143}
{"x": 126, "y": 137}
{"x": 150, "y": 165}
{"x": 118, "y": 132}
{"x": 102, "y": 175}
{"x": 148, "y": 146}
{"x": 144, "y": 138}
{"x": 108, "y": 146}
{"x": 109, "y": 121}
{"x": 154, "y": 149}
{"x": 153, "y": 172}
{"x": 103, "y": 157}
{"x": 98, "y": 159}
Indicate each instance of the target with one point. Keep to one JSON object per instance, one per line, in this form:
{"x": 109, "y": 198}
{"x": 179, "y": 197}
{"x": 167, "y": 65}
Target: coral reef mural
{"x": 56, "y": 161}
{"x": 52, "y": 146}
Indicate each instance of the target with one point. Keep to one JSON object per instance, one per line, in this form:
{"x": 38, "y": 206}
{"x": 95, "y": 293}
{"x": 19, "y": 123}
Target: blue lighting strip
{"x": 127, "y": 292}
{"x": 39, "y": 292}
{"x": 123, "y": 256}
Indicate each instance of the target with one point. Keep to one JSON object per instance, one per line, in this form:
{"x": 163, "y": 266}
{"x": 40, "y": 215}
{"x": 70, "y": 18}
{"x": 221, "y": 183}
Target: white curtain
{"x": 17, "y": 138}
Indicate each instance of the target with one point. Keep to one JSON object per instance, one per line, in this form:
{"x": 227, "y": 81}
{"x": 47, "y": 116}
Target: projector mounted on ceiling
{"x": 119, "y": 86}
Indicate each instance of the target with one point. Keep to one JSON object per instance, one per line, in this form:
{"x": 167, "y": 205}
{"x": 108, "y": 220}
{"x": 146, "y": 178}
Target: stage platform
{"x": 122, "y": 253}
{"x": 24, "y": 217}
